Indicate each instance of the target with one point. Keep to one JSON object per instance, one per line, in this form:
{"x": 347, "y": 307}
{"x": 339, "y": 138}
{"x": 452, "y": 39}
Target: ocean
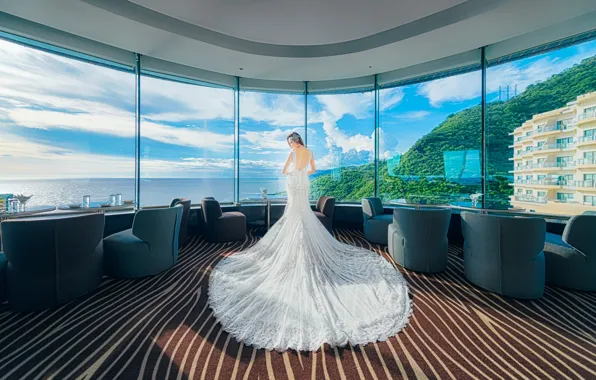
{"x": 154, "y": 191}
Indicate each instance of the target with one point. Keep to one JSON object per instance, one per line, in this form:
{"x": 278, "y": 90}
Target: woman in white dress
{"x": 298, "y": 287}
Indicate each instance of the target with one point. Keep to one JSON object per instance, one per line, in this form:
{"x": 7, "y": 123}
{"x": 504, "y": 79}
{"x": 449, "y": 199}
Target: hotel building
{"x": 555, "y": 159}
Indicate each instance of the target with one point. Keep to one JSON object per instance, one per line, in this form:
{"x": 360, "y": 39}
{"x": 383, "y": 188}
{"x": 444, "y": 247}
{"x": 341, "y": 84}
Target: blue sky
{"x": 61, "y": 118}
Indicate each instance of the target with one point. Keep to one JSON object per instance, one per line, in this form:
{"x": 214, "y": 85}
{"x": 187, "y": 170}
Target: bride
{"x": 298, "y": 288}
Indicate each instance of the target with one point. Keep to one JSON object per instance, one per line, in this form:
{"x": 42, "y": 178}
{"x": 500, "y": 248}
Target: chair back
{"x": 58, "y": 244}
{"x": 160, "y": 228}
{"x": 326, "y": 205}
{"x": 578, "y": 234}
{"x": 422, "y": 226}
{"x": 211, "y": 210}
{"x": 185, "y": 202}
{"x": 371, "y": 207}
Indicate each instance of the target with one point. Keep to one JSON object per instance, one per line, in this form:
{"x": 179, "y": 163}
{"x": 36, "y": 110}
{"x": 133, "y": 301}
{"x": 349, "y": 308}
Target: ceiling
{"x": 302, "y": 40}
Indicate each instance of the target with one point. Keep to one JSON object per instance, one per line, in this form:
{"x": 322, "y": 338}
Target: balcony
{"x": 586, "y": 140}
{"x": 538, "y": 183}
{"x": 586, "y": 117}
{"x": 554, "y": 147}
{"x": 586, "y": 185}
{"x": 554, "y": 129}
{"x": 586, "y": 163}
{"x": 564, "y": 165}
{"x": 531, "y": 199}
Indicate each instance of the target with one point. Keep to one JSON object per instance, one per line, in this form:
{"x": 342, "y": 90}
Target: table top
{"x": 29, "y": 210}
{"x": 95, "y": 206}
{"x": 270, "y": 199}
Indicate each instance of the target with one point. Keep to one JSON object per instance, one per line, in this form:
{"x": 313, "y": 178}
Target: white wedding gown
{"x": 298, "y": 287}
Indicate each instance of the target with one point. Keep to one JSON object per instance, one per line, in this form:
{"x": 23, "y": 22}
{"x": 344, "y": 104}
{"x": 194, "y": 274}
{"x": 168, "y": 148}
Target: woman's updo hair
{"x": 295, "y": 137}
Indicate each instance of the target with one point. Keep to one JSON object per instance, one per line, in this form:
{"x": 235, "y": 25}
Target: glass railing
{"x": 587, "y": 115}
{"x": 540, "y": 182}
{"x": 586, "y": 139}
{"x": 586, "y": 161}
{"x": 530, "y": 198}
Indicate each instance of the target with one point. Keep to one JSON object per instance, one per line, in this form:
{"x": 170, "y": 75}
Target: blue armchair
{"x": 504, "y": 254}
{"x": 571, "y": 258}
{"x": 376, "y": 223}
{"x": 418, "y": 238}
{"x": 149, "y": 248}
{"x": 49, "y": 261}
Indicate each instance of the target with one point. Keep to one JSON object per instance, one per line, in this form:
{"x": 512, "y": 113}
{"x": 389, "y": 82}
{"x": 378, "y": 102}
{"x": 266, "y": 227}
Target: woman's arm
{"x": 288, "y": 160}
{"x": 313, "y": 166}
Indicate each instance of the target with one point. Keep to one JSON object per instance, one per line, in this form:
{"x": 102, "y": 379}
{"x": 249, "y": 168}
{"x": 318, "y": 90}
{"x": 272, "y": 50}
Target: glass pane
{"x": 67, "y": 128}
{"x": 341, "y": 131}
{"x": 430, "y": 142}
{"x": 187, "y": 142}
{"x": 265, "y": 122}
{"x": 540, "y": 107}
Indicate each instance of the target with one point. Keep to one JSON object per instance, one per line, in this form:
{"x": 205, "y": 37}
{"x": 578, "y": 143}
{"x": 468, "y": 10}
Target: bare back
{"x": 302, "y": 158}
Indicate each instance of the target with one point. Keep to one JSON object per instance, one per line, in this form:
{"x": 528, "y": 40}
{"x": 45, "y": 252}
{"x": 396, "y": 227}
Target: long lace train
{"x": 298, "y": 287}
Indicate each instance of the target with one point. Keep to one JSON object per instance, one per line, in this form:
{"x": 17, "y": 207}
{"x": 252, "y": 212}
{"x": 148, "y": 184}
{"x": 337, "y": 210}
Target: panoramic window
{"x": 341, "y": 134}
{"x": 542, "y": 108}
{"x": 266, "y": 120}
{"x": 430, "y": 142}
{"x": 67, "y": 128}
{"x": 187, "y": 142}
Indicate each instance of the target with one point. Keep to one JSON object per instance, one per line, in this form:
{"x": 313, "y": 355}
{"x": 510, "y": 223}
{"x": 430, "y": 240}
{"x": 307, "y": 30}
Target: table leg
{"x": 268, "y": 215}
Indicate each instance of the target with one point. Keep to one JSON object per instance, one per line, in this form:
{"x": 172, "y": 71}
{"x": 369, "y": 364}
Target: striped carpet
{"x": 162, "y": 328}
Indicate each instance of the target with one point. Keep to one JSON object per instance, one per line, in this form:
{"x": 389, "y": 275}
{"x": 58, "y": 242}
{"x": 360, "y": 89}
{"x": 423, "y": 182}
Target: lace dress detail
{"x": 298, "y": 287}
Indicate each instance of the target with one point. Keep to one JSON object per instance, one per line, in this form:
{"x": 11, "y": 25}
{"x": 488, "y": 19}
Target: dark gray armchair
{"x": 571, "y": 258}
{"x": 376, "y": 223}
{"x": 222, "y": 226}
{"x": 51, "y": 260}
{"x": 149, "y": 248}
{"x": 2, "y": 277}
{"x": 185, "y": 202}
{"x": 418, "y": 238}
{"x": 324, "y": 211}
{"x": 504, "y": 254}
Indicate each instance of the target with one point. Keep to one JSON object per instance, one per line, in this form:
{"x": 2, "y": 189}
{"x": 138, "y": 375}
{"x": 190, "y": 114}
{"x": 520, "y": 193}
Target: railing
{"x": 554, "y": 146}
{"x": 557, "y": 127}
{"x": 586, "y": 161}
{"x": 587, "y": 115}
{"x": 532, "y": 199}
{"x": 541, "y": 182}
{"x": 546, "y": 165}
{"x": 586, "y": 139}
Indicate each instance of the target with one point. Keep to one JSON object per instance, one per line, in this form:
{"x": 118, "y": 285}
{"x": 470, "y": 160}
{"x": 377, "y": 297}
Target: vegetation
{"x": 420, "y": 174}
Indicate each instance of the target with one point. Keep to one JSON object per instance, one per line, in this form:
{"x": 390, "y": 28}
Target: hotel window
{"x": 564, "y": 197}
{"x": 565, "y": 179}
{"x": 540, "y": 160}
{"x": 589, "y": 180}
{"x": 528, "y": 178}
{"x": 541, "y": 177}
{"x": 528, "y": 148}
{"x": 541, "y": 194}
{"x": 589, "y": 112}
{"x": 520, "y": 191}
{"x": 563, "y": 143}
{"x": 589, "y": 200}
{"x": 589, "y": 133}
{"x": 563, "y": 161}
{"x": 529, "y": 192}
{"x": 540, "y": 145}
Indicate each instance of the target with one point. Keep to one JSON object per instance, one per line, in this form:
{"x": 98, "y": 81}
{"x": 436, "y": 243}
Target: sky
{"x": 62, "y": 118}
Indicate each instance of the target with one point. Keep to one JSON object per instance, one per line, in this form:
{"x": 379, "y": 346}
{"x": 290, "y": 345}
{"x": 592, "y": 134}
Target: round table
{"x": 268, "y": 201}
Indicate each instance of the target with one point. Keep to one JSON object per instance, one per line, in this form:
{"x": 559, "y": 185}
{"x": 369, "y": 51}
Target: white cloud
{"x": 468, "y": 86}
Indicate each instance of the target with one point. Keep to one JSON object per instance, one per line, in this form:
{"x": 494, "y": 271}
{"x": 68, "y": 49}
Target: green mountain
{"x": 462, "y": 131}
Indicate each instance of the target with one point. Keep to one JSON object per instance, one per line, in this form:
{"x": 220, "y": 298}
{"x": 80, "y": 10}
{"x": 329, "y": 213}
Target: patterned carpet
{"x": 162, "y": 328}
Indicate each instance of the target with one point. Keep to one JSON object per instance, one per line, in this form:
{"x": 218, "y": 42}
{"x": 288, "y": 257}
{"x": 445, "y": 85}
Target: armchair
{"x": 324, "y": 211}
{"x": 222, "y": 226}
{"x": 376, "y": 222}
{"x": 149, "y": 248}
{"x": 571, "y": 258}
